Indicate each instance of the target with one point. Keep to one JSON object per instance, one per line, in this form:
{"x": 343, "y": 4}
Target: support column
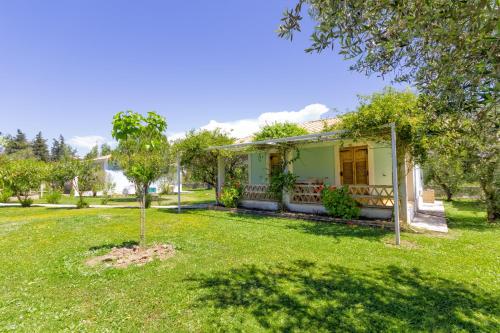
{"x": 395, "y": 183}
{"x": 179, "y": 184}
{"x": 288, "y": 169}
{"x": 221, "y": 175}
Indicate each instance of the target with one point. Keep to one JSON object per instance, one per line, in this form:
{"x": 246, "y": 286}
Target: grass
{"x": 191, "y": 197}
{"x": 246, "y": 273}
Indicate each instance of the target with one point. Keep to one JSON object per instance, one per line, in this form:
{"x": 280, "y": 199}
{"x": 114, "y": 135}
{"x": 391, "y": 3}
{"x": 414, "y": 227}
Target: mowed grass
{"x": 244, "y": 273}
{"x": 197, "y": 196}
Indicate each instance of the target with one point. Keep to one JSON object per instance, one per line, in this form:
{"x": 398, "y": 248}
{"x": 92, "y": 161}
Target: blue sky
{"x": 66, "y": 67}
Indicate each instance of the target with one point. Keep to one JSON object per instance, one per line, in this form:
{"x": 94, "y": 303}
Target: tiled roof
{"x": 315, "y": 126}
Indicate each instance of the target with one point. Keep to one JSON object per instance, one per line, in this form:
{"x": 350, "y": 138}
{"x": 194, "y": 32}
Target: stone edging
{"x": 308, "y": 217}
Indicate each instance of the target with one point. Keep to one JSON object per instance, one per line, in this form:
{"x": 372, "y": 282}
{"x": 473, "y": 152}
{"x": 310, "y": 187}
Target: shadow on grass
{"x": 340, "y": 230}
{"x": 468, "y": 214}
{"x": 305, "y": 297}
{"x": 335, "y": 230}
{"x": 127, "y": 244}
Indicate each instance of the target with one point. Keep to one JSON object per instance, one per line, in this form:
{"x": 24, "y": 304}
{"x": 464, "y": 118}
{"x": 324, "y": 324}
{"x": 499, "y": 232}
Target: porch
{"x": 377, "y": 201}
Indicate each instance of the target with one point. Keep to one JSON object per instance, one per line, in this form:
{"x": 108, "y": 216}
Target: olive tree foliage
{"x": 201, "y": 162}
{"x": 444, "y": 168}
{"x": 22, "y": 177}
{"x": 375, "y": 112}
{"x": 447, "y": 49}
{"x": 142, "y": 152}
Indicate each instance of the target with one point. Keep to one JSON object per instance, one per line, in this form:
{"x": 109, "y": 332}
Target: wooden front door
{"x": 354, "y": 165}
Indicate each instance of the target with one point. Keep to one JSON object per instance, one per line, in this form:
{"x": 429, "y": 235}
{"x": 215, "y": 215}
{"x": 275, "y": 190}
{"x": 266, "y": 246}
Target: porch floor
{"x": 430, "y": 217}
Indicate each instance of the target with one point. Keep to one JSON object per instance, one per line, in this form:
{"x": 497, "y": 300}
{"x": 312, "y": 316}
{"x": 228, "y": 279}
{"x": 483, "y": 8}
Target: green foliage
{"x": 81, "y": 203}
{"x": 445, "y": 164}
{"x": 23, "y": 176}
{"x": 53, "y": 196}
{"x": 279, "y": 130}
{"x": 455, "y": 60}
{"x": 86, "y": 172}
{"x": 201, "y": 162}
{"x": 339, "y": 203}
{"x": 281, "y": 181}
{"x": 448, "y": 50}
{"x": 142, "y": 152}
{"x": 231, "y": 195}
{"x": 5, "y": 195}
{"x": 389, "y": 106}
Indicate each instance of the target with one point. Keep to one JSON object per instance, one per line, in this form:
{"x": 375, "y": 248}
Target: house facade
{"x": 366, "y": 167}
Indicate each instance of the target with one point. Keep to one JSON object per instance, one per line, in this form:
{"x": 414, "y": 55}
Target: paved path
{"x": 194, "y": 206}
{"x": 430, "y": 217}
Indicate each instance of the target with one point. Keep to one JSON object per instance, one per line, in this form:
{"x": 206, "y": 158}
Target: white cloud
{"x": 246, "y": 127}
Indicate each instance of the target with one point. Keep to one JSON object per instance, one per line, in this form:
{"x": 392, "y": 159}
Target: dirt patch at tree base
{"x": 122, "y": 257}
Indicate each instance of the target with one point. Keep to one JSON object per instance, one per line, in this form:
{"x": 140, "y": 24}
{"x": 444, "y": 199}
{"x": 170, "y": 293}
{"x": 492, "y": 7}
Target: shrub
{"x": 231, "y": 195}
{"x": 281, "y": 181}
{"x": 5, "y": 195}
{"x": 149, "y": 199}
{"x": 82, "y": 204}
{"x": 105, "y": 199}
{"x": 26, "y": 202}
{"x": 53, "y": 196}
{"x": 339, "y": 203}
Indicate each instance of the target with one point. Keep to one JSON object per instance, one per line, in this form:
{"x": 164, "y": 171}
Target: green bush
{"x": 339, "y": 203}
{"x": 82, "y": 204}
{"x": 231, "y": 195}
{"x": 26, "y": 202}
{"x": 5, "y": 195}
{"x": 149, "y": 199}
{"x": 105, "y": 199}
{"x": 53, "y": 197}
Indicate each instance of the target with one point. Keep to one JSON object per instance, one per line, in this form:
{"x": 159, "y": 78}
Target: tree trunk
{"x": 142, "y": 241}
{"x": 449, "y": 194}
{"x": 492, "y": 199}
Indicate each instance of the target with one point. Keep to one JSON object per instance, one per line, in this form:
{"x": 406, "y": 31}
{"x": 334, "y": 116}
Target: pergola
{"x": 310, "y": 138}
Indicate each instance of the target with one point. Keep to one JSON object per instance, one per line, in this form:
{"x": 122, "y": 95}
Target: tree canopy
{"x": 142, "y": 152}
{"x": 201, "y": 162}
{"x": 279, "y": 130}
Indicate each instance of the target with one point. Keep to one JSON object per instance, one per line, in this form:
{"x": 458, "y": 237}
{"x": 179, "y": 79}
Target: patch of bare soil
{"x": 405, "y": 244}
{"x": 122, "y": 257}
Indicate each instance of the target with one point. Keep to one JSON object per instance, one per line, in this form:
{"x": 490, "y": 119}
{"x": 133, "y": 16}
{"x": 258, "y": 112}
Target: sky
{"x": 66, "y": 67}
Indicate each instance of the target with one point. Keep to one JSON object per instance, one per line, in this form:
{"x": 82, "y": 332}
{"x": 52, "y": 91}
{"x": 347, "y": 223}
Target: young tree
{"x": 201, "y": 162}
{"x": 39, "y": 147}
{"x": 447, "y": 49}
{"x": 23, "y": 176}
{"x": 142, "y": 152}
{"x": 86, "y": 178}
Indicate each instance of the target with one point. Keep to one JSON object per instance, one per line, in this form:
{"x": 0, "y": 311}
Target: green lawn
{"x": 243, "y": 273}
{"x": 191, "y": 197}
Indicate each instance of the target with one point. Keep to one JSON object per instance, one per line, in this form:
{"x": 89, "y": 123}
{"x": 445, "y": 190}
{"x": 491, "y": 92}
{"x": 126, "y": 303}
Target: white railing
{"x": 366, "y": 195}
{"x": 257, "y": 192}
